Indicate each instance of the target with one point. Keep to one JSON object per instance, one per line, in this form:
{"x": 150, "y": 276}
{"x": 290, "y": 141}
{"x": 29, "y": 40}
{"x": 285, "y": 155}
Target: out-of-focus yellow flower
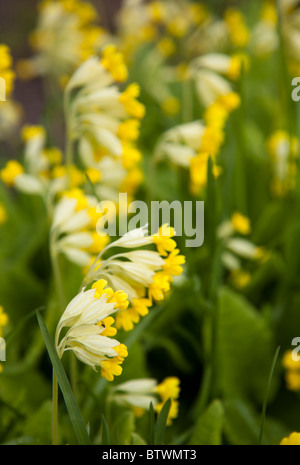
{"x": 6, "y": 72}
{"x": 105, "y": 122}
{"x": 3, "y": 319}
{"x": 3, "y": 214}
{"x": 238, "y": 30}
{"x": 241, "y": 223}
{"x": 140, "y": 393}
{"x": 171, "y": 106}
{"x": 240, "y": 278}
{"x": 283, "y": 151}
{"x": 10, "y": 172}
{"x": 292, "y": 373}
{"x": 292, "y": 440}
{"x": 65, "y": 36}
{"x": 169, "y": 389}
{"x": 166, "y": 46}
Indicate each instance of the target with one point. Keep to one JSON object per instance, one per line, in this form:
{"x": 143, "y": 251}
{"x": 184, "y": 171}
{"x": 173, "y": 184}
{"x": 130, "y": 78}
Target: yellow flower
{"x": 292, "y": 374}
{"x": 238, "y": 31}
{"x": 240, "y": 223}
{"x": 90, "y": 326}
{"x": 292, "y": 440}
{"x": 173, "y": 263}
{"x": 128, "y": 98}
{"x": 30, "y": 132}
{"x": 162, "y": 239}
{"x": 240, "y": 278}
{"x": 113, "y": 61}
{"x": 166, "y": 46}
{"x": 3, "y": 214}
{"x": 171, "y": 106}
{"x": 159, "y": 286}
{"x": 169, "y": 389}
{"x": 5, "y": 69}
{"x": 9, "y": 173}
{"x": 129, "y": 129}
{"x": 3, "y": 319}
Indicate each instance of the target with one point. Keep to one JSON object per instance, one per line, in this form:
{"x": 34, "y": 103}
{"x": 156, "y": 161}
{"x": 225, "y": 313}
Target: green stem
{"x": 61, "y": 300}
{"x": 264, "y": 409}
{"x": 187, "y": 98}
{"x": 57, "y": 276}
{"x": 54, "y": 408}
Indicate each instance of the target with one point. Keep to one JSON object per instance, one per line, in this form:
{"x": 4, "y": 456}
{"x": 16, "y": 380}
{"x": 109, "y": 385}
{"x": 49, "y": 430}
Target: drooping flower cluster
{"x": 145, "y": 275}
{"x": 190, "y": 145}
{"x": 236, "y": 248}
{"x": 89, "y": 322}
{"x": 10, "y": 111}
{"x": 266, "y": 38}
{"x": 283, "y": 151}
{"x": 73, "y": 230}
{"x": 65, "y": 36}
{"x": 104, "y": 122}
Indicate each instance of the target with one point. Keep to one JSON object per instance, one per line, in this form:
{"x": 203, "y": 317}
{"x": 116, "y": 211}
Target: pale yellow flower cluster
{"x": 66, "y": 35}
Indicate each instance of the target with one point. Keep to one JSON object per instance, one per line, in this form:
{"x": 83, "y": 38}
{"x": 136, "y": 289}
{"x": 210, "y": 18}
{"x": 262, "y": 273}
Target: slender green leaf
{"x": 264, "y": 409}
{"x": 151, "y": 424}
{"x": 105, "y": 433}
{"x": 72, "y": 407}
{"x": 161, "y": 423}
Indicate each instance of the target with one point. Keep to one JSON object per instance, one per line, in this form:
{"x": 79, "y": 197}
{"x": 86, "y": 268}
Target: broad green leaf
{"x": 38, "y": 424}
{"x": 242, "y": 425}
{"x": 209, "y": 426}
{"x": 245, "y": 348}
{"x": 137, "y": 440}
{"x": 125, "y": 426}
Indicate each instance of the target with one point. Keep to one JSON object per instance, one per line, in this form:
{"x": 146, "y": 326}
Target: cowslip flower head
{"x": 145, "y": 275}
{"x": 89, "y": 322}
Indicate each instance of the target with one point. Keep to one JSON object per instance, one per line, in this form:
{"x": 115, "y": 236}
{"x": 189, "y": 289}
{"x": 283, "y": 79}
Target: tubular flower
{"x": 191, "y": 145}
{"x": 88, "y": 317}
{"x": 292, "y": 371}
{"x": 3, "y": 322}
{"x": 212, "y": 74}
{"x": 72, "y": 230}
{"x": 6, "y": 72}
{"x": 10, "y": 113}
{"x": 266, "y": 39}
{"x": 65, "y": 36}
{"x": 169, "y": 389}
{"x": 237, "y": 248}
{"x": 37, "y": 174}
{"x": 3, "y": 319}
{"x": 145, "y": 275}
{"x": 283, "y": 151}
{"x": 140, "y": 393}
{"x": 103, "y": 120}
{"x": 238, "y": 31}
{"x": 164, "y": 23}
